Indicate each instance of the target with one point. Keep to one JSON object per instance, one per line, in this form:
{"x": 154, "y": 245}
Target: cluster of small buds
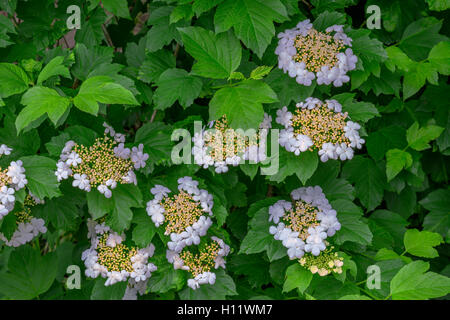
{"x": 110, "y": 258}
{"x": 303, "y": 224}
{"x": 28, "y": 227}
{"x": 307, "y": 54}
{"x": 325, "y": 263}
{"x": 208, "y": 256}
{"x": 315, "y": 125}
{"x": 103, "y": 165}
{"x": 12, "y": 179}
{"x": 181, "y": 214}
{"x": 223, "y": 146}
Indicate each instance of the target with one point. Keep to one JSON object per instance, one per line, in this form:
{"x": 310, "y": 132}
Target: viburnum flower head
{"x": 307, "y": 54}
{"x": 110, "y": 258}
{"x": 201, "y": 260}
{"x": 27, "y": 226}
{"x": 223, "y": 146}
{"x": 184, "y": 214}
{"x": 12, "y": 179}
{"x": 303, "y": 224}
{"x": 102, "y": 165}
{"x": 322, "y": 126}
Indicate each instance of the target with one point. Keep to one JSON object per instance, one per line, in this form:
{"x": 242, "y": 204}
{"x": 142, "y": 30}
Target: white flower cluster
{"x": 191, "y": 234}
{"x": 140, "y": 271}
{"x": 70, "y": 159}
{"x": 204, "y": 277}
{"x": 336, "y": 74}
{"x": 11, "y": 180}
{"x": 26, "y": 230}
{"x": 298, "y": 143}
{"x": 314, "y": 243}
{"x": 255, "y": 153}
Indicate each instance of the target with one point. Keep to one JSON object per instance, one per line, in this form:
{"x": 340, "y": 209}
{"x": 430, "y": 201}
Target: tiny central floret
{"x": 181, "y": 211}
{"x": 300, "y": 219}
{"x": 115, "y": 258}
{"x": 203, "y": 260}
{"x": 99, "y": 163}
{"x": 321, "y": 124}
{"x": 317, "y": 49}
{"x": 4, "y": 178}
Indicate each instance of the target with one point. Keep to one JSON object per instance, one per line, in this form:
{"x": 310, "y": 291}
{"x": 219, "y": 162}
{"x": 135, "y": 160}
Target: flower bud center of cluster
{"x": 300, "y": 219}
{"x": 100, "y": 163}
{"x": 321, "y": 124}
{"x": 182, "y": 211}
{"x": 317, "y": 49}
{"x": 116, "y": 258}
{"x": 203, "y": 261}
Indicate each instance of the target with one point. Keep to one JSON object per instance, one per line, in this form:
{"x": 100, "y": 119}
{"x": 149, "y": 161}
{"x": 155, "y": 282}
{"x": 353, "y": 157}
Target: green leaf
{"x": 437, "y": 201}
{"x": 39, "y": 101}
{"x": 112, "y": 292}
{"x": 252, "y": 21}
{"x": 379, "y": 142}
{"x": 118, "y": 207}
{"x": 259, "y": 239}
{"x": 327, "y": 19}
{"x": 242, "y": 104}
{"x": 62, "y": 212}
{"x": 396, "y": 161}
{"x": 253, "y": 267}
{"x": 176, "y": 84}
{"x": 287, "y": 90}
{"x": 217, "y": 55}
{"x": 419, "y": 139}
{"x": 358, "y": 111}
{"x": 201, "y": 6}
{"x": 399, "y": 59}
{"x": 162, "y": 32}
{"x": 421, "y": 243}
{"x": 155, "y": 64}
{"x": 155, "y": 137}
{"x": 165, "y": 278}
{"x": 392, "y": 222}
{"x": 297, "y": 277}
{"x": 306, "y": 165}
{"x": 87, "y": 59}
{"x": 438, "y": 5}
{"x": 144, "y": 230}
{"x": 124, "y": 197}
{"x": 117, "y": 7}
{"x": 420, "y": 36}
{"x": 30, "y": 274}
{"x": 183, "y": 11}
{"x": 440, "y": 57}
{"x": 368, "y": 178}
{"x": 412, "y": 282}
{"x": 352, "y": 227}
{"x": 54, "y": 68}
{"x": 13, "y": 80}
{"x": 91, "y": 34}
{"x": 40, "y": 173}
{"x": 260, "y": 72}
{"x": 101, "y": 89}
{"x": 415, "y": 78}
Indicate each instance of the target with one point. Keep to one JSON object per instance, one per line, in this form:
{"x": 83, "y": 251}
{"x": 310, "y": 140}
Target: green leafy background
{"x": 149, "y": 67}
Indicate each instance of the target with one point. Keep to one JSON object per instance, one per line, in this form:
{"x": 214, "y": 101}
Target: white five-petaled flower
{"x": 139, "y": 157}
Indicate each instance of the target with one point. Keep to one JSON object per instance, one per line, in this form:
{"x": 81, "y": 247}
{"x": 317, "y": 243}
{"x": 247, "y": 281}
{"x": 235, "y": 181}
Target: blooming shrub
{"x": 224, "y": 149}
